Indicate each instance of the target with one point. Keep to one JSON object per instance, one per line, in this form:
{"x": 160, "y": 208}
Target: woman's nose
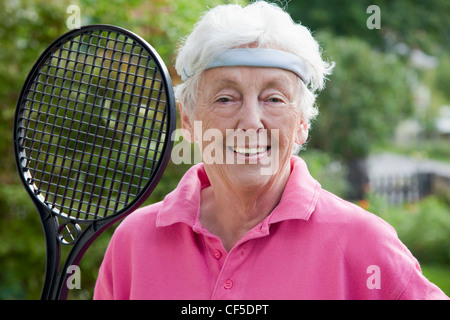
{"x": 250, "y": 115}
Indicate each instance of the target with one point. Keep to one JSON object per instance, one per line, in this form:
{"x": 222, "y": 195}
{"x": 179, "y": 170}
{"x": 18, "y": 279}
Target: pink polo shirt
{"x": 313, "y": 245}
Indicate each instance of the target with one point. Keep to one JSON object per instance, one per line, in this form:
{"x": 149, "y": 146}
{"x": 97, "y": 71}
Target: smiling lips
{"x": 250, "y": 153}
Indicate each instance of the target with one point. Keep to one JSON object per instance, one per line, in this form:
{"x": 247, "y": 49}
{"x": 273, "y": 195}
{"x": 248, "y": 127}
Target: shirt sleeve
{"x": 113, "y": 281}
{"x": 420, "y": 288}
{"x": 380, "y": 265}
{"x": 104, "y": 288}
{"x": 400, "y": 271}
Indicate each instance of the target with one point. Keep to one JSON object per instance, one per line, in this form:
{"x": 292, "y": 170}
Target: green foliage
{"x": 22, "y": 245}
{"x": 160, "y": 22}
{"x": 439, "y": 275}
{"x": 418, "y": 23}
{"x": 367, "y": 95}
{"x": 328, "y": 172}
{"x": 423, "y": 227}
{"x": 26, "y": 28}
{"x": 437, "y": 149}
{"x": 442, "y": 79}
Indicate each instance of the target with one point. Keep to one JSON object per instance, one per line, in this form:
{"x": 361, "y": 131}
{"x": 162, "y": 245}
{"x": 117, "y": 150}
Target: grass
{"x": 439, "y": 275}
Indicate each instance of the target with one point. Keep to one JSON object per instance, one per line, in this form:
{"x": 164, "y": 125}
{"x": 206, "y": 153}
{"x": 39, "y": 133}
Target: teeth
{"x": 250, "y": 151}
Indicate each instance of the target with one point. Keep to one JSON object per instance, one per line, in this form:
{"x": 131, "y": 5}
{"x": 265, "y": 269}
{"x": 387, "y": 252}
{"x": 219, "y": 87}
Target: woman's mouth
{"x": 250, "y": 153}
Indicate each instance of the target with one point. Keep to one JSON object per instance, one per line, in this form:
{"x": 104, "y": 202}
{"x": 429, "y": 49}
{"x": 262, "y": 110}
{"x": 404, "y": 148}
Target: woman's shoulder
{"x": 347, "y": 216}
{"x": 371, "y": 250}
{"x": 143, "y": 218}
{"x": 361, "y": 235}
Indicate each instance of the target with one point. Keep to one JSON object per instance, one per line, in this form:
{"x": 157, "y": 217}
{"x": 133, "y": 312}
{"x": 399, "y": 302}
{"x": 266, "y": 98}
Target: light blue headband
{"x": 255, "y": 57}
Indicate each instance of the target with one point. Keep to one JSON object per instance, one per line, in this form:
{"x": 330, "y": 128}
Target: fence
{"x": 402, "y": 188}
{"x": 402, "y": 179}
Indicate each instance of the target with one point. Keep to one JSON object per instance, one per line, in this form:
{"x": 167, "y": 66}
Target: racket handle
{"x": 55, "y": 284}
{"x": 52, "y": 275}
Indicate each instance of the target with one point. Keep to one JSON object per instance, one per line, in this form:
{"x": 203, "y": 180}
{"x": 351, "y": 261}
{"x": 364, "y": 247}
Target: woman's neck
{"x": 230, "y": 212}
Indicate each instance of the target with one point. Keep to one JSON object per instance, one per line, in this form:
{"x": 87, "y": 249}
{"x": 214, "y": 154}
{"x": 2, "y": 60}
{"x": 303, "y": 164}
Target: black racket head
{"x": 93, "y": 124}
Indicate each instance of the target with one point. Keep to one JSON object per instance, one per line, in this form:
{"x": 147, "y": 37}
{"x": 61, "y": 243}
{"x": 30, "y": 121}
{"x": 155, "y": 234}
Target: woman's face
{"x": 250, "y": 118}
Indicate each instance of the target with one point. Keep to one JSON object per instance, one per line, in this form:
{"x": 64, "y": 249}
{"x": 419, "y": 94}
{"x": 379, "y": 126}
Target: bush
{"x": 327, "y": 171}
{"x": 424, "y": 227}
{"x": 442, "y": 80}
{"x": 22, "y": 245}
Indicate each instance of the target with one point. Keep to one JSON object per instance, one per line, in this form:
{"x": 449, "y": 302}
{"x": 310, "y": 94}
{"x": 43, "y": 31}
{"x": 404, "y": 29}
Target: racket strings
{"x": 92, "y": 127}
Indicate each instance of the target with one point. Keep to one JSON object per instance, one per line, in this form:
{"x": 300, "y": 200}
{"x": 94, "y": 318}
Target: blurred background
{"x": 382, "y": 139}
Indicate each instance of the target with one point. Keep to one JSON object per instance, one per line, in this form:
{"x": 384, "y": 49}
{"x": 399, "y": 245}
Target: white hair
{"x": 260, "y": 25}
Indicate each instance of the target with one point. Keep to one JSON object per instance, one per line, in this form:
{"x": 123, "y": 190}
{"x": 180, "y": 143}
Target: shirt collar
{"x": 297, "y": 202}
{"x": 300, "y": 195}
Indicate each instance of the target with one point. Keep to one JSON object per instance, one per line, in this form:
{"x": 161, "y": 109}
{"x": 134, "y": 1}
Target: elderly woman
{"x": 231, "y": 230}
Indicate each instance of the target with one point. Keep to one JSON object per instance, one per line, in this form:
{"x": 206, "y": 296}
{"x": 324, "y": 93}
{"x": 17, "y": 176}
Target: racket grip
{"x": 52, "y": 274}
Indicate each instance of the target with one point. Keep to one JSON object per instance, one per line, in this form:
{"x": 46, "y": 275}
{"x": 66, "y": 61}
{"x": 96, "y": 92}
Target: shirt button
{"x": 217, "y": 254}
{"x": 228, "y": 284}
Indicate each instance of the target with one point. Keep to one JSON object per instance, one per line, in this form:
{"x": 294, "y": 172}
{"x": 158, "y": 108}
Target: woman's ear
{"x": 186, "y": 125}
{"x": 302, "y": 133}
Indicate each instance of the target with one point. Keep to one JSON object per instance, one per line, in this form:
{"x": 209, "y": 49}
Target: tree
{"x": 368, "y": 94}
{"x": 418, "y": 23}
{"x": 369, "y": 91}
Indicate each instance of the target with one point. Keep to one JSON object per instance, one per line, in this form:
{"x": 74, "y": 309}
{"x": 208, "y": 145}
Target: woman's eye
{"x": 275, "y": 100}
{"x": 224, "y": 100}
